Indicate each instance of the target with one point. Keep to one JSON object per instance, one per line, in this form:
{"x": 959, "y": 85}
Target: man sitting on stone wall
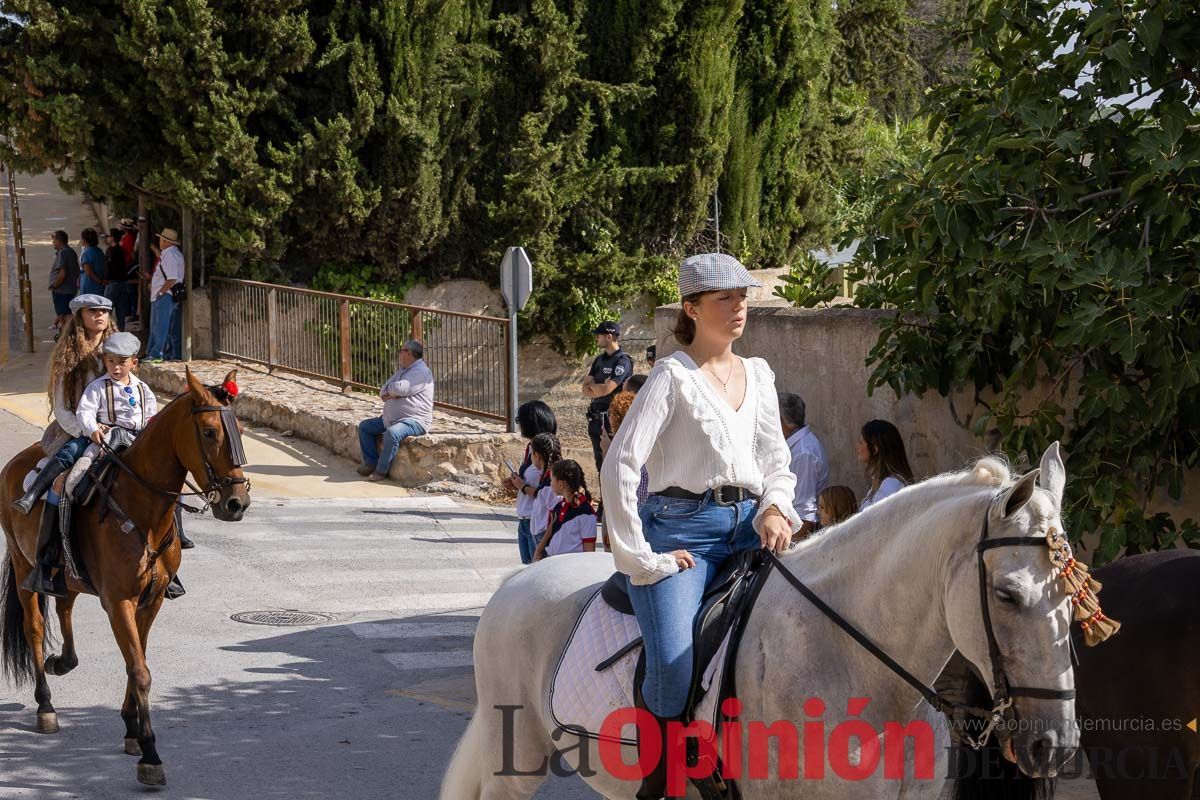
{"x": 407, "y": 411}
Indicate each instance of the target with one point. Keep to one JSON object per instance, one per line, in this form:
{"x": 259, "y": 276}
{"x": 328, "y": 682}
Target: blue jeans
{"x": 368, "y": 429}
{"x": 160, "y": 326}
{"x": 124, "y": 300}
{"x": 70, "y": 452}
{"x": 526, "y": 544}
{"x": 666, "y": 610}
{"x": 174, "y": 351}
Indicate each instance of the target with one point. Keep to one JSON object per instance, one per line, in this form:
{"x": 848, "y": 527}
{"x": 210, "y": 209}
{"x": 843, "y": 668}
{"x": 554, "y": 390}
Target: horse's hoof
{"x": 47, "y": 722}
{"x": 132, "y": 748}
{"x": 152, "y": 775}
{"x": 55, "y": 666}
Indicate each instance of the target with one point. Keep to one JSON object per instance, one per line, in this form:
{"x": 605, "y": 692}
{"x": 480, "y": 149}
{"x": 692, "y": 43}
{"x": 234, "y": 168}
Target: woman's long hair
{"x": 73, "y": 363}
{"x": 534, "y": 417}
{"x": 885, "y": 454}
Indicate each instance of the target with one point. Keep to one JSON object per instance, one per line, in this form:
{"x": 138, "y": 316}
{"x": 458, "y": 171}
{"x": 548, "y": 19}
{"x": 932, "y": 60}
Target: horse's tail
{"x": 463, "y": 779}
{"x": 16, "y": 656}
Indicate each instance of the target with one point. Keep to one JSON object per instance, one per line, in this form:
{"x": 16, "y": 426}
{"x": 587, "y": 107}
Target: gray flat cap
{"x": 90, "y": 301}
{"x": 710, "y": 272}
{"x": 122, "y": 344}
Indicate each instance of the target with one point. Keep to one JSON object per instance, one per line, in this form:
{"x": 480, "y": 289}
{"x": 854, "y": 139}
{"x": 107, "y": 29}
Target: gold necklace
{"x": 724, "y": 383}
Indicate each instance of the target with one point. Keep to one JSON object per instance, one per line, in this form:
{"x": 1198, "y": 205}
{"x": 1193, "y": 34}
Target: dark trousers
{"x": 597, "y": 422}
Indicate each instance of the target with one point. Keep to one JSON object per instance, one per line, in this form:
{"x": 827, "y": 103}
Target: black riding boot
{"x": 654, "y": 785}
{"x": 41, "y": 484}
{"x": 184, "y": 542}
{"x": 43, "y": 578}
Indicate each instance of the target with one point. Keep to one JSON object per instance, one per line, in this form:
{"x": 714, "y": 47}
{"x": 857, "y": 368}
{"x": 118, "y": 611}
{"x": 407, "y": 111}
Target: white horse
{"x": 904, "y": 573}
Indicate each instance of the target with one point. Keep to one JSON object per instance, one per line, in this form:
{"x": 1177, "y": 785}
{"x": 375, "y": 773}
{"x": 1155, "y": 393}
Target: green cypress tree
{"x": 786, "y": 132}
{"x": 182, "y": 99}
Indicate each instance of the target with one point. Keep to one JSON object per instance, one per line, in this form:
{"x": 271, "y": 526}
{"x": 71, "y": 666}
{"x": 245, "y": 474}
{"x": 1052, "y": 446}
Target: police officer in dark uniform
{"x": 604, "y": 380}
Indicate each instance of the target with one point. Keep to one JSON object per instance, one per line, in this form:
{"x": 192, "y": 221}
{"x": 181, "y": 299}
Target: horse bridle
{"x": 237, "y": 454}
{"x": 1003, "y": 691}
{"x": 212, "y": 490}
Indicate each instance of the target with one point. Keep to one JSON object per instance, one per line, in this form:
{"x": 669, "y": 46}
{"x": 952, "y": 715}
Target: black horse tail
{"x": 985, "y": 774}
{"x": 16, "y": 656}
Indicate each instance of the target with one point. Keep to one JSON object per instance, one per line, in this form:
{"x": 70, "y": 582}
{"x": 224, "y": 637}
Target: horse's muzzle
{"x": 1041, "y": 754}
{"x": 231, "y": 507}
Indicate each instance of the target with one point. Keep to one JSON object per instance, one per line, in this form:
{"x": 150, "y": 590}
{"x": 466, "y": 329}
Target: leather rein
{"x": 1003, "y": 691}
{"x": 211, "y": 492}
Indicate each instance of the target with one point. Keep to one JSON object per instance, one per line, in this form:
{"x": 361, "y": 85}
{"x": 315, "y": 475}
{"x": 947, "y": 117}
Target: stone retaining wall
{"x": 461, "y": 455}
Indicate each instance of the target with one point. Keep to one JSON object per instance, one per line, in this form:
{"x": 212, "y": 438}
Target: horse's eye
{"x": 1006, "y": 597}
{"x": 210, "y": 433}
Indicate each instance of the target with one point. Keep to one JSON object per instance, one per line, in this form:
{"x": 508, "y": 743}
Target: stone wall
{"x": 821, "y": 355}
{"x": 461, "y": 454}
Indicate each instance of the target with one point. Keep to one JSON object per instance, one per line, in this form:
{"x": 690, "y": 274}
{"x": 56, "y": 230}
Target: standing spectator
{"x": 407, "y": 411}
{"x": 546, "y": 452}
{"x": 836, "y": 504}
{"x": 651, "y": 355}
{"x": 533, "y": 417}
{"x": 129, "y": 240}
{"x": 571, "y": 524}
{"x": 881, "y": 450}
{"x": 167, "y": 272}
{"x": 117, "y": 270}
{"x": 809, "y": 464}
{"x": 64, "y": 280}
{"x": 91, "y": 262}
{"x": 608, "y": 371}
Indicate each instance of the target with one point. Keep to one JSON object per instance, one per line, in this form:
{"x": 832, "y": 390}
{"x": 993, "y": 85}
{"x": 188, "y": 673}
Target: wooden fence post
{"x": 272, "y": 335}
{"x": 347, "y": 364}
{"x": 418, "y": 327}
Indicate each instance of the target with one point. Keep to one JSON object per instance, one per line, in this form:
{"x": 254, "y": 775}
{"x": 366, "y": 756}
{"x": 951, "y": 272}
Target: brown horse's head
{"x": 211, "y": 448}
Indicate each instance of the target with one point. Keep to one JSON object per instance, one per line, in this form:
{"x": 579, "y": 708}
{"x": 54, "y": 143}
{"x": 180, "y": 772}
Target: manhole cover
{"x": 282, "y": 618}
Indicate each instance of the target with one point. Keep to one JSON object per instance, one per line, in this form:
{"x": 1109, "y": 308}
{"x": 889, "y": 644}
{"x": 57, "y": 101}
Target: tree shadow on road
{"x": 327, "y": 720}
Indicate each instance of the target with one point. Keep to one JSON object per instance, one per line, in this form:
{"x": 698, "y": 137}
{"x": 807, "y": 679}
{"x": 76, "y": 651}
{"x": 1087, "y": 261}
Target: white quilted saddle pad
{"x": 581, "y": 698}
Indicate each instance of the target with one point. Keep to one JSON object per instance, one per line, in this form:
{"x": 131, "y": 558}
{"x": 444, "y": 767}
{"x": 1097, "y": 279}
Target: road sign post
{"x": 516, "y": 284}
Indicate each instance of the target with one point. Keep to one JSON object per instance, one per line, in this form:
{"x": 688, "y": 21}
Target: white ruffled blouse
{"x": 687, "y": 435}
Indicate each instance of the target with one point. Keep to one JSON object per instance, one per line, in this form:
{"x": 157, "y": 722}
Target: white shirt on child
{"x": 572, "y": 534}
{"x": 95, "y": 407}
{"x": 545, "y": 501}
{"x": 524, "y": 501}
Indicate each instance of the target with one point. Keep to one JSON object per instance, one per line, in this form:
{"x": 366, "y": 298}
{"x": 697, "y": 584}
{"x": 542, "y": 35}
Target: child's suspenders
{"x": 110, "y": 396}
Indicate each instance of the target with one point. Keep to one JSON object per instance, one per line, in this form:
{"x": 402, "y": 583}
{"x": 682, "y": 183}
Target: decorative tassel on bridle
{"x": 1083, "y": 589}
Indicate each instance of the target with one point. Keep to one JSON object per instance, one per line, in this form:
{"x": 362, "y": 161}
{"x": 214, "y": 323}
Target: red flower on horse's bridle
{"x": 230, "y": 388}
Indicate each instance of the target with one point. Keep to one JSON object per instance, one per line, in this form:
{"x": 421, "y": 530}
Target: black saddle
{"x": 726, "y": 604}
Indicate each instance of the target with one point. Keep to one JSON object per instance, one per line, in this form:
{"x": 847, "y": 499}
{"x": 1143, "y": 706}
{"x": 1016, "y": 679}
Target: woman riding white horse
{"x": 706, "y": 427}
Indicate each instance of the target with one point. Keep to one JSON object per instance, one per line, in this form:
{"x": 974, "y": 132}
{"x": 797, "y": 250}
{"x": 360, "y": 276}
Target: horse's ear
{"x": 1017, "y": 495}
{"x": 199, "y": 393}
{"x": 231, "y": 377}
{"x": 1054, "y": 473}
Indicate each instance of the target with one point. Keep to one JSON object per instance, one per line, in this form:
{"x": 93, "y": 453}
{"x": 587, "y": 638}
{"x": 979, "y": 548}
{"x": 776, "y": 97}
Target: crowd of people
{"x": 116, "y": 274}
{"x": 612, "y": 385}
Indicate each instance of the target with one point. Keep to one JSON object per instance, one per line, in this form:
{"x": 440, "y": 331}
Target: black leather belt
{"x": 726, "y": 495}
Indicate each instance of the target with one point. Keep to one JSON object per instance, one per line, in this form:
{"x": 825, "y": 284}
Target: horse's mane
{"x": 989, "y": 472}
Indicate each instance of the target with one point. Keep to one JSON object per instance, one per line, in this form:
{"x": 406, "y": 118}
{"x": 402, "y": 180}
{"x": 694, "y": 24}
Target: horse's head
{"x": 210, "y": 447}
{"x": 1013, "y": 623}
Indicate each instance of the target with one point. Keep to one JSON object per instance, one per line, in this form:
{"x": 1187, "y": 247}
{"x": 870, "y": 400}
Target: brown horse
{"x": 129, "y": 549}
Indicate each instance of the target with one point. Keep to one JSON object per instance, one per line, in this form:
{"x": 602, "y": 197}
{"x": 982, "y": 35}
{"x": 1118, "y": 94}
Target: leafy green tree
{"x": 181, "y": 99}
{"x": 1046, "y": 254}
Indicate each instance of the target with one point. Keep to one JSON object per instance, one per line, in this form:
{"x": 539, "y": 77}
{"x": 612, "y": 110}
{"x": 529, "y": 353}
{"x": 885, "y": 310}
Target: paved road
{"x": 368, "y": 705}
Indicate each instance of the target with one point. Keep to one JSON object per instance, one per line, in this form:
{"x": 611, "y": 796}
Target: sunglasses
{"x": 129, "y": 398}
